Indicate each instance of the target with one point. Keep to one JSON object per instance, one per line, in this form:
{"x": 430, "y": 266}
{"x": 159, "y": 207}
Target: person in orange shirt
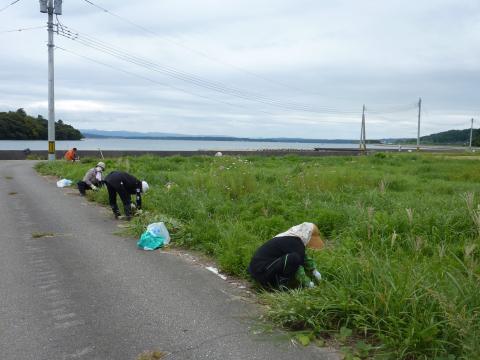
{"x": 71, "y": 155}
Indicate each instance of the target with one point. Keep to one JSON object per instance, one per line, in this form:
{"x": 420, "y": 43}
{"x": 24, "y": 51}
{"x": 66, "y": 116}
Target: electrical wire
{"x": 91, "y": 42}
{"x": 184, "y": 76}
{"x": 101, "y": 46}
{"x": 152, "y": 80}
{"x": 7, "y": 6}
{"x": 176, "y": 42}
{"x": 336, "y": 122}
{"x": 427, "y": 115}
{"x": 215, "y": 86}
{"x": 139, "y": 62}
{"x": 23, "y": 29}
{"x": 390, "y": 109}
{"x": 375, "y": 116}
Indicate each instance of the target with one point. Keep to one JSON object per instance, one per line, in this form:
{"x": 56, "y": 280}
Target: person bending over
{"x": 71, "y": 155}
{"x": 92, "y": 180}
{"x": 125, "y": 185}
{"x": 282, "y": 261}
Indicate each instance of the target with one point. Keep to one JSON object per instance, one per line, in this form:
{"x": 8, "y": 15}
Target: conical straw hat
{"x": 316, "y": 241}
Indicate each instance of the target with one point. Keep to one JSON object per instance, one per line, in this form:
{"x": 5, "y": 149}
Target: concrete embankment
{"x": 37, "y": 154}
{"x": 42, "y": 154}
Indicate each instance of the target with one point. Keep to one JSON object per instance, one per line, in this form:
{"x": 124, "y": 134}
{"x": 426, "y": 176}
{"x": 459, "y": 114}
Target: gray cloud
{"x": 332, "y": 57}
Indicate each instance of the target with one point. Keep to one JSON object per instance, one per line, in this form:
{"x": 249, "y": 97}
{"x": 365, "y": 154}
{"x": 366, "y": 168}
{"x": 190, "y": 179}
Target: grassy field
{"x": 401, "y": 269}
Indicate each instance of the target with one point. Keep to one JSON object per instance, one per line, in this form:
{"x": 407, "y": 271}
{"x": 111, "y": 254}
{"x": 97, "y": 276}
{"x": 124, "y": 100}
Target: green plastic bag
{"x": 148, "y": 241}
{"x": 154, "y": 237}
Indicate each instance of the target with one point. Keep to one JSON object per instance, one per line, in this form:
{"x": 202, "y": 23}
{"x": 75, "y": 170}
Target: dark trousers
{"x": 82, "y": 187}
{"x": 280, "y": 271}
{"x": 124, "y": 196}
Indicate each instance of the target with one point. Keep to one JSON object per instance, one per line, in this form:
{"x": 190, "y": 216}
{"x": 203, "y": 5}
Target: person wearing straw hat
{"x": 282, "y": 260}
{"x": 92, "y": 180}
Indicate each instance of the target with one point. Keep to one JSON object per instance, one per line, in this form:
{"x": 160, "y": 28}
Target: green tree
{"x": 17, "y": 125}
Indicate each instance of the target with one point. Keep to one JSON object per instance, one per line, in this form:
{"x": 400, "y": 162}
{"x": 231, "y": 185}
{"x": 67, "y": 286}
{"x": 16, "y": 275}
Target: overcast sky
{"x": 263, "y": 68}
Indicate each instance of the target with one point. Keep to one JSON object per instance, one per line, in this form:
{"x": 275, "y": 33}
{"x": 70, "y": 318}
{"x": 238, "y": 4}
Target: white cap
{"x": 144, "y": 187}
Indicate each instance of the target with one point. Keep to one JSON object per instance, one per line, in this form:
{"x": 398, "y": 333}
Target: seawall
{"x": 38, "y": 154}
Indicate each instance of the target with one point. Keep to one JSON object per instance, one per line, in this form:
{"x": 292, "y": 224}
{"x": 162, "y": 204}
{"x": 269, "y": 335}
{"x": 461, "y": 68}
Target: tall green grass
{"x": 401, "y": 267}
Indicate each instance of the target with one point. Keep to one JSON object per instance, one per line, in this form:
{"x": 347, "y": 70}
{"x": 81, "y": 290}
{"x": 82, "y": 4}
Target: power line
{"x": 152, "y": 80}
{"x": 220, "y": 87}
{"x": 23, "y": 29}
{"x": 7, "y": 6}
{"x": 121, "y": 17}
{"x": 89, "y": 41}
{"x": 176, "y": 88}
{"x": 390, "y": 109}
{"x": 101, "y": 46}
{"x": 125, "y": 56}
{"x": 386, "y": 118}
{"x": 196, "y": 51}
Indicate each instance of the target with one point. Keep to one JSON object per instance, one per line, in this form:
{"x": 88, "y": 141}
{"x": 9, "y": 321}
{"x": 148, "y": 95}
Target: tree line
{"x": 457, "y": 137}
{"x": 450, "y": 137}
{"x": 17, "y": 125}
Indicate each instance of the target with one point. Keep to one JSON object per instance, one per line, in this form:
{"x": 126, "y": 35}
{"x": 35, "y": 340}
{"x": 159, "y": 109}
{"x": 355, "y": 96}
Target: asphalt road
{"x": 86, "y": 293}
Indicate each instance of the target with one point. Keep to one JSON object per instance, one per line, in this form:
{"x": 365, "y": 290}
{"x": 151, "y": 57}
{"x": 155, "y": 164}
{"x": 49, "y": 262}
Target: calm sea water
{"x": 185, "y": 145}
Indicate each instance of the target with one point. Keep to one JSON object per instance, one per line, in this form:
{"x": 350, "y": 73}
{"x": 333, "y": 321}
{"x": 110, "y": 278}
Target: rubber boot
{"x": 116, "y": 212}
{"x": 128, "y": 212}
{"x": 81, "y": 188}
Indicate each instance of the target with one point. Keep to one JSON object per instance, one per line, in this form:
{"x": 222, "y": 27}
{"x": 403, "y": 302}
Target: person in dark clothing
{"x": 125, "y": 185}
{"x": 283, "y": 260}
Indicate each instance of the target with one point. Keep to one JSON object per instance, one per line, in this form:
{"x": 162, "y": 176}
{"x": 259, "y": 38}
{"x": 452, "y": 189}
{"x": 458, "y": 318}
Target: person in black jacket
{"x": 125, "y": 185}
{"x": 282, "y": 260}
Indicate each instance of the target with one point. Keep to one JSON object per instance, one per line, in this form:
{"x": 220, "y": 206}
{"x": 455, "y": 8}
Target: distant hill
{"x": 93, "y": 133}
{"x": 454, "y": 137}
{"x": 450, "y": 137}
{"x": 17, "y": 125}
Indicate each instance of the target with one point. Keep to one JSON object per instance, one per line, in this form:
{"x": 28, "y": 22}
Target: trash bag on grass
{"x": 64, "y": 182}
{"x": 154, "y": 237}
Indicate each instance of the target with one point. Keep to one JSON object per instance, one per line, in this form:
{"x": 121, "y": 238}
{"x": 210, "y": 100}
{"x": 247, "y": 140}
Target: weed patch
{"x": 151, "y": 355}
{"x": 402, "y": 264}
{"x": 38, "y": 235}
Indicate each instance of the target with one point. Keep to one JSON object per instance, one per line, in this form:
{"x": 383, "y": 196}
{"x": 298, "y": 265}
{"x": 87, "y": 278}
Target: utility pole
{"x": 51, "y": 7}
{"x": 363, "y": 144}
{"x": 471, "y": 135}
{"x": 418, "y": 130}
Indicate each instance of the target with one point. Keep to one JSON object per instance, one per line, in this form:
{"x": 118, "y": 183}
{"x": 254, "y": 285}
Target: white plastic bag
{"x": 159, "y": 229}
{"x": 64, "y": 182}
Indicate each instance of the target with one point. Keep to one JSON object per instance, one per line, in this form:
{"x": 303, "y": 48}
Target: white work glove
{"x": 317, "y": 275}
{"x": 132, "y": 206}
{"x": 94, "y": 188}
{"x": 311, "y": 284}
